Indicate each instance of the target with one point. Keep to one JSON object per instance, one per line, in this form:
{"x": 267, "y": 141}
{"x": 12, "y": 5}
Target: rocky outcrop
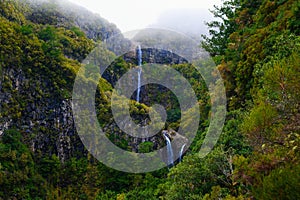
{"x": 66, "y": 14}
{"x": 177, "y": 141}
{"x": 158, "y": 56}
{"x": 44, "y": 118}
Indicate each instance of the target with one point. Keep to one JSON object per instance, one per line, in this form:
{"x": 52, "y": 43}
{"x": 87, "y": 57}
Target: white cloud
{"x": 136, "y": 14}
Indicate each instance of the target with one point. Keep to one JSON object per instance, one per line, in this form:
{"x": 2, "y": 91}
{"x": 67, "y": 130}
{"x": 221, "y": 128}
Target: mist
{"x": 187, "y": 21}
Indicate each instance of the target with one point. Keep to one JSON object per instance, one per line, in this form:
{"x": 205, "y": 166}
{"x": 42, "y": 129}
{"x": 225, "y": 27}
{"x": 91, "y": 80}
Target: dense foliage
{"x": 256, "y": 45}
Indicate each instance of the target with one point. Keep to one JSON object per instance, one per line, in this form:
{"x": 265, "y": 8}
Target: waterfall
{"x": 169, "y": 150}
{"x": 181, "y": 152}
{"x": 139, "y": 73}
{"x": 139, "y": 84}
{"x": 139, "y": 55}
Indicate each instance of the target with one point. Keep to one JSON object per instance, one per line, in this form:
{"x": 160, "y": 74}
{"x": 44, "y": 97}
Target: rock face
{"x": 177, "y": 141}
{"x": 44, "y": 119}
{"x": 67, "y": 14}
{"x": 158, "y": 56}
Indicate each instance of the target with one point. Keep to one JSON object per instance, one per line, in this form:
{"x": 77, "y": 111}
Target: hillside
{"x": 45, "y": 43}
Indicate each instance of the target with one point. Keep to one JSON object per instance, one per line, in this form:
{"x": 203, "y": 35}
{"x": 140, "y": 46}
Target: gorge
{"x": 255, "y": 45}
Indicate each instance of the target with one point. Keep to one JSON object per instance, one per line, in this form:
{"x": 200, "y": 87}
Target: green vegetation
{"x": 256, "y": 45}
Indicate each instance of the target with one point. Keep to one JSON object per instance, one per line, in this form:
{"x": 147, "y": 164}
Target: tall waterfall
{"x": 181, "y": 152}
{"x": 169, "y": 150}
{"x": 139, "y": 55}
{"x": 139, "y": 73}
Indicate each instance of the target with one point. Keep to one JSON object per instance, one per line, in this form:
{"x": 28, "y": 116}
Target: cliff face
{"x": 40, "y": 54}
{"x": 158, "y": 56}
{"x": 67, "y": 14}
{"x": 33, "y": 107}
{"x": 46, "y": 120}
{"x": 70, "y": 16}
{"x": 42, "y": 44}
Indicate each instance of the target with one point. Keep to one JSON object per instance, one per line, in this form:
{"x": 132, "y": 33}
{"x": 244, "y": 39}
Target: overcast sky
{"x": 137, "y": 14}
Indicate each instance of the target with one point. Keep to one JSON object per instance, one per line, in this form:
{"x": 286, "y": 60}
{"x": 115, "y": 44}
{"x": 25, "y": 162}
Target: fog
{"x": 188, "y": 21}
{"x": 134, "y": 15}
{"x": 137, "y": 14}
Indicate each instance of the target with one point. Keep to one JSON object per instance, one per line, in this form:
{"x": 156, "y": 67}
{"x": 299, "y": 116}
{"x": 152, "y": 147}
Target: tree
{"x": 221, "y": 29}
{"x": 18, "y": 176}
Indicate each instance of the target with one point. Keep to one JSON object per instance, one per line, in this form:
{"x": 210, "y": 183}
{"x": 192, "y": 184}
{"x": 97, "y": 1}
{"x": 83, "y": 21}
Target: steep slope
{"x": 256, "y": 45}
{"x": 68, "y": 15}
{"x": 42, "y": 44}
{"x": 38, "y": 65}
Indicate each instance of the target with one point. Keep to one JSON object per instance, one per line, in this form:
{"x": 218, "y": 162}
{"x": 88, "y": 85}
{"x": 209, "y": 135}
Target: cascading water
{"x": 139, "y": 55}
{"x": 181, "y": 152}
{"x": 139, "y": 84}
{"x": 169, "y": 150}
{"x": 139, "y": 73}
